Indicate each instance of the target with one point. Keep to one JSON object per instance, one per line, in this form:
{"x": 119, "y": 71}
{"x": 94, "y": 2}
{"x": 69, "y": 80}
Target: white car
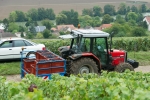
{"x": 10, "y": 48}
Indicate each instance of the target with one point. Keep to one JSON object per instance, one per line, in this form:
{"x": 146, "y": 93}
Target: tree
{"x": 33, "y": 14}
{"x": 41, "y": 13}
{"x": 87, "y": 12}
{"x": 32, "y": 29}
{"x": 143, "y": 8}
{"x": 122, "y": 9}
{"x": 6, "y": 23}
{"x": 22, "y": 35}
{"x": 106, "y": 19}
{"x": 134, "y": 9}
{"x": 120, "y": 19}
{"x": 12, "y": 26}
{"x": 72, "y": 17}
{"x": 21, "y": 17}
{"x": 139, "y": 31}
{"x": 128, "y": 9}
{"x": 97, "y": 11}
{"x": 29, "y": 35}
{"x": 109, "y": 9}
{"x": 132, "y": 16}
{"x": 47, "y": 23}
{"x": 46, "y": 33}
{"x": 22, "y": 29}
{"x": 61, "y": 19}
{"x": 12, "y": 16}
{"x": 50, "y": 14}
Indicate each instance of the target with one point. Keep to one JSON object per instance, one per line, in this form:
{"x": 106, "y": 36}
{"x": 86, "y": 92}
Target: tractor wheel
{"x": 83, "y": 65}
{"x": 123, "y": 66}
{"x": 31, "y": 55}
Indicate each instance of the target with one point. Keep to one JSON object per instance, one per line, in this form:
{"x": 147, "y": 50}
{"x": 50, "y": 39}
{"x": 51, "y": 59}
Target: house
{"x": 40, "y": 28}
{"x": 2, "y": 27}
{"x": 65, "y": 27}
{"x": 147, "y": 19}
{"x": 103, "y": 26}
{"x": 7, "y": 34}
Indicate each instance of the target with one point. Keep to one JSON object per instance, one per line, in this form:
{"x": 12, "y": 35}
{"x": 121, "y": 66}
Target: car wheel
{"x": 31, "y": 55}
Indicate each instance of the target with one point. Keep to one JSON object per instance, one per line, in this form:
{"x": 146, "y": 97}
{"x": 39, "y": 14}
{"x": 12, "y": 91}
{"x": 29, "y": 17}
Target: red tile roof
{"x": 59, "y": 27}
{"x": 103, "y": 26}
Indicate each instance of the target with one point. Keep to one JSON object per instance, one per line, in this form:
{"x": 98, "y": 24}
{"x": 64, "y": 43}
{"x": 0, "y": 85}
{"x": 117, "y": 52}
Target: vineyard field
{"x": 107, "y": 86}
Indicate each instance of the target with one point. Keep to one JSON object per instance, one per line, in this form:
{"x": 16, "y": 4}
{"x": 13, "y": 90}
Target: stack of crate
{"x": 46, "y": 63}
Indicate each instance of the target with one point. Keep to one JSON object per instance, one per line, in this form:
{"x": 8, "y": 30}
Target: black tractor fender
{"x": 134, "y": 63}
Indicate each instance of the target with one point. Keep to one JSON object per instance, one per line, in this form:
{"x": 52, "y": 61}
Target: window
{"x": 19, "y": 43}
{"x": 27, "y": 43}
{"x": 6, "y": 44}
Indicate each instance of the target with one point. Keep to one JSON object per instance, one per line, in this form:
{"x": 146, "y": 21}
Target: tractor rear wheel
{"x": 83, "y": 65}
{"x": 123, "y": 66}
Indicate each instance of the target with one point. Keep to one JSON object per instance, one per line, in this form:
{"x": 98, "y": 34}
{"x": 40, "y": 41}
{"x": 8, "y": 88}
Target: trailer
{"x": 43, "y": 64}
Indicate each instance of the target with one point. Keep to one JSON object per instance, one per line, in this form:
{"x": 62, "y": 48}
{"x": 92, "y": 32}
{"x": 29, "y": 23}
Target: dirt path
{"x": 17, "y": 78}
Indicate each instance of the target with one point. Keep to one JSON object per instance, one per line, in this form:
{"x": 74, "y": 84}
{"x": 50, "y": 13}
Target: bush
{"x": 138, "y": 31}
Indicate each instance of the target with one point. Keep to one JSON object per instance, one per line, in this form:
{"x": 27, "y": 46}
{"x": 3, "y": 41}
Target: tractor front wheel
{"x": 83, "y": 65}
{"x": 123, "y": 66}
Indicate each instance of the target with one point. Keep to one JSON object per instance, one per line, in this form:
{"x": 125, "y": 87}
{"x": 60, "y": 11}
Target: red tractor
{"x": 89, "y": 52}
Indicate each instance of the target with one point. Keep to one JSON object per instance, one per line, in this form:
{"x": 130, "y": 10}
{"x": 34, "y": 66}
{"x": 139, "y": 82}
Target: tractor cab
{"x": 93, "y": 45}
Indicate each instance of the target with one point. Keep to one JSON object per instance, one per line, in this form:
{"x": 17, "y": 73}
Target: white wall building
{"x": 147, "y": 19}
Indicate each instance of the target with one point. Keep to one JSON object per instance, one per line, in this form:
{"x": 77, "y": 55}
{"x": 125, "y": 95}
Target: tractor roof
{"x": 85, "y": 33}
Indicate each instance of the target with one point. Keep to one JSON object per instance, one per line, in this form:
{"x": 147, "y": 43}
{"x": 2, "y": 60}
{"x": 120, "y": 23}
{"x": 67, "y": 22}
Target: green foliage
{"x": 39, "y": 36}
{"x": 33, "y": 14}
{"x": 46, "y": 33}
{"x": 87, "y": 12}
{"x": 12, "y": 27}
{"x": 97, "y": 11}
{"x": 12, "y": 16}
{"x": 120, "y": 19}
{"x": 47, "y": 23}
{"x": 22, "y": 35}
{"x": 139, "y": 44}
{"x": 32, "y": 28}
{"x": 107, "y": 86}
{"x": 139, "y": 31}
{"x": 89, "y": 21}
{"x": 29, "y": 35}
{"x": 61, "y": 19}
{"x": 109, "y": 9}
{"x": 21, "y": 17}
{"x": 22, "y": 29}
{"x": 132, "y": 16}
{"x": 72, "y": 17}
{"x": 107, "y": 19}
{"x": 122, "y": 9}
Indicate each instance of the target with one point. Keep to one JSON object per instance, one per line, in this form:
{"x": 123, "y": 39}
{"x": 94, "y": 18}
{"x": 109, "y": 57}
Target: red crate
{"x": 28, "y": 62}
{"x": 39, "y": 56}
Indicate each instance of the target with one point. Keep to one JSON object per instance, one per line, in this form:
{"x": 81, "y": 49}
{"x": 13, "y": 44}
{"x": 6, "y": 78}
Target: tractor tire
{"x": 83, "y": 65}
{"x": 123, "y": 66}
{"x": 31, "y": 55}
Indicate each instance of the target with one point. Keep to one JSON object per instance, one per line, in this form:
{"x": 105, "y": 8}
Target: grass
{"x": 142, "y": 57}
{"x": 10, "y": 68}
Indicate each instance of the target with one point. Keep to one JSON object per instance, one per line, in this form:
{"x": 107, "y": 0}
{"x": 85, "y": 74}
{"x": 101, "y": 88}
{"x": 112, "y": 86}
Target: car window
{"x": 6, "y": 44}
{"x": 19, "y": 43}
{"x": 27, "y": 43}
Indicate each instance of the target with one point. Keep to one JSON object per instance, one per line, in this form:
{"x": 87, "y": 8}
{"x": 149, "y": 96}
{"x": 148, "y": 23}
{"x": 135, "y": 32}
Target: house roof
{"x": 103, "y": 26}
{"x": 61, "y": 27}
{"x": 7, "y": 34}
{"x": 148, "y": 19}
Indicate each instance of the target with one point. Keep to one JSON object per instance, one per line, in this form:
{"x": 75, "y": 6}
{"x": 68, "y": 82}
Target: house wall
{"x": 147, "y": 23}
{"x": 149, "y": 27}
